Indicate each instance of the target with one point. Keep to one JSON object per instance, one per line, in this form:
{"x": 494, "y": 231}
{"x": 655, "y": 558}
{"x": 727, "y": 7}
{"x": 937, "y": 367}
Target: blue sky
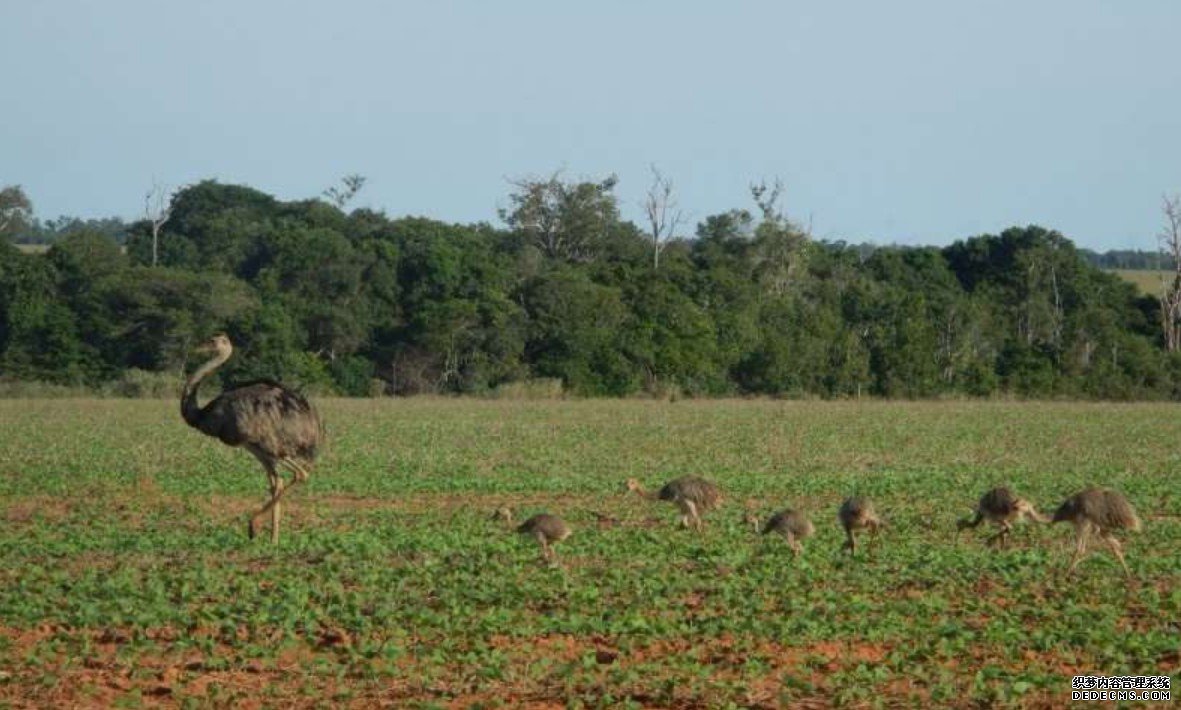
{"x": 910, "y": 122}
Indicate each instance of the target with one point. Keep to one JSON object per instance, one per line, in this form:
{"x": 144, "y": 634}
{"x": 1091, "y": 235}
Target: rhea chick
{"x": 1098, "y": 511}
{"x": 547, "y": 529}
{"x": 1001, "y": 507}
{"x": 791, "y": 524}
{"x": 857, "y": 513}
{"x": 692, "y": 495}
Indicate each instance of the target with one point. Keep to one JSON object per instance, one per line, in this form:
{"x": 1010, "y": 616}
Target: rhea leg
{"x": 795, "y": 546}
{"x": 278, "y": 490}
{"x": 850, "y": 541}
{"x": 1119, "y": 553}
{"x": 274, "y": 484}
{"x": 1001, "y": 536}
{"x": 973, "y": 523}
{"x": 276, "y": 511}
{"x": 691, "y": 512}
{"x": 1082, "y": 532}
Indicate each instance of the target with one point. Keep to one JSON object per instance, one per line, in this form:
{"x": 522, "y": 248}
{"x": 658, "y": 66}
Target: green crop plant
{"x": 126, "y": 576}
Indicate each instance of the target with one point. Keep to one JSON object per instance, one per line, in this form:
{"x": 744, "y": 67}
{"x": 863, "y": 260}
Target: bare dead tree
{"x": 1169, "y": 241}
{"x": 349, "y": 187}
{"x": 157, "y": 211}
{"x": 660, "y": 206}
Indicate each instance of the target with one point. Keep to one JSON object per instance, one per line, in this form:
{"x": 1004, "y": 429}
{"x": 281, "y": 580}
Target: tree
{"x": 570, "y": 290}
{"x": 16, "y": 211}
{"x": 575, "y": 327}
{"x": 84, "y": 257}
{"x": 1169, "y": 240}
{"x": 460, "y": 330}
{"x": 39, "y": 332}
{"x": 669, "y": 337}
{"x": 317, "y": 275}
{"x": 157, "y": 212}
{"x": 53, "y": 230}
{"x": 1029, "y": 273}
{"x": 350, "y": 186}
{"x": 780, "y": 249}
{"x": 564, "y": 220}
{"x": 214, "y": 227}
{"x": 157, "y": 315}
{"x": 660, "y": 207}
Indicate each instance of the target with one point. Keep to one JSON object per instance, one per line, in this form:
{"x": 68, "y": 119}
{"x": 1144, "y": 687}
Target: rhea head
{"x": 219, "y": 343}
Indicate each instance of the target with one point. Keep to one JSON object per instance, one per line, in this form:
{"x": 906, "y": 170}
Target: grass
{"x": 126, "y": 576}
{"x": 1148, "y": 281}
{"x": 33, "y": 248}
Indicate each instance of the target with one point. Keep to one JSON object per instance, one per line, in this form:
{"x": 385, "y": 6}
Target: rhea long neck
{"x": 189, "y": 409}
{"x": 1033, "y": 513}
{"x": 646, "y": 495}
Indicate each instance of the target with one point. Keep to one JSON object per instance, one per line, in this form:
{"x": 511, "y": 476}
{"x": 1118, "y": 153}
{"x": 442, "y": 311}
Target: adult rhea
{"x": 271, "y": 421}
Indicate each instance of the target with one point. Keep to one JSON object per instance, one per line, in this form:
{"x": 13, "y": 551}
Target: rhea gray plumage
{"x": 857, "y": 513}
{"x": 1001, "y": 507}
{"x": 692, "y": 495}
{"x": 274, "y": 423}
{"x": 1098, "y": 511}
{"x": 791, "y": 524}
{"x": 547, "y": 529}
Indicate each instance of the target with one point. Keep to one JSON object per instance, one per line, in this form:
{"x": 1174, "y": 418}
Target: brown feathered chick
{"x": 1098, "y": 511}
{"x": 857, "y": 513}
{"x": 547, "y": 529}
{"x": 692, "y": 495}
{"x": 1001, "y": 507}
{"x": 791, "y": 524}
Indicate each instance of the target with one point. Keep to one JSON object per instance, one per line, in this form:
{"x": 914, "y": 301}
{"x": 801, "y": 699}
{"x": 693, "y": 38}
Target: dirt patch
{"x": 335, "y": 504}
{"x": 98, "y": 667}
{"x": 97, "y": 672}
{"x": 46, "y": 508}
{"x": 341, "y": 511}
{"x": 221, "y": 507}
{"x": 722, "y": 652}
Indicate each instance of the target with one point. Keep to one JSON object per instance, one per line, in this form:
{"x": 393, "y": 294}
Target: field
{"x": 33, "y": 248}
{"x": 126, "y": 577}
{"x": 1147, "y": 280}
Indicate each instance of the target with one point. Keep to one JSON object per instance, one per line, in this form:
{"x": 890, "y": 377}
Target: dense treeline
{"x": 1130, "y": 259}
{"x": 361, "y": 303}
{"x": 45, "y": 233}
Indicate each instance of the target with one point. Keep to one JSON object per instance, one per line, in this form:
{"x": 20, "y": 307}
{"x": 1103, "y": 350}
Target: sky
{"x": 910, "y": 122}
